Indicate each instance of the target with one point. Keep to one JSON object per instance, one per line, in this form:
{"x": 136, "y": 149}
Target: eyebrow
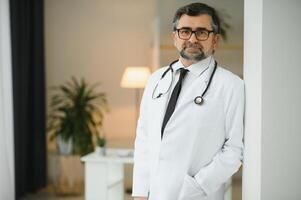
{"x": 198, "y": 28}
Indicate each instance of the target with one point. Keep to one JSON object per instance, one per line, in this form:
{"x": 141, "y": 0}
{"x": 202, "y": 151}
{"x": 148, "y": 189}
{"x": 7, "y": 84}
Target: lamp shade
{"x": 135, "y": 77}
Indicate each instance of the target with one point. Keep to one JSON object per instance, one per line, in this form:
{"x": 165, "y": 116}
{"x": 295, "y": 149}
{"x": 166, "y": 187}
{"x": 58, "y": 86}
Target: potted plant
{"x": 76, "y": 116}
{"x": 100, "y": 146}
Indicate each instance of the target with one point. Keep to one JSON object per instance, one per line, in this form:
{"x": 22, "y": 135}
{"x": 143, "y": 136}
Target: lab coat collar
{"x": 197, "y": 68}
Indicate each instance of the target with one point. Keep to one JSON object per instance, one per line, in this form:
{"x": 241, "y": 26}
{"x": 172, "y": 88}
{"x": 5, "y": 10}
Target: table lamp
{"x": 136, "y": 78}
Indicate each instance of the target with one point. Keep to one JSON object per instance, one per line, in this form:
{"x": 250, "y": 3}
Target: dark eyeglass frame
{"x": 194, "y": 32}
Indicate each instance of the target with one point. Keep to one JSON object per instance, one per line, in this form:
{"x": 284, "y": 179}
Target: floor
{"x": 50, "y": 196}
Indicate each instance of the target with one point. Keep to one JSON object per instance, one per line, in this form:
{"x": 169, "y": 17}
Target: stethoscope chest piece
{"x": 198, "y": 100}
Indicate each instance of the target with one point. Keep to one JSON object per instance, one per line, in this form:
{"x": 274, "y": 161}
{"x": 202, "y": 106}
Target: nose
{"x": 192, "y": 38}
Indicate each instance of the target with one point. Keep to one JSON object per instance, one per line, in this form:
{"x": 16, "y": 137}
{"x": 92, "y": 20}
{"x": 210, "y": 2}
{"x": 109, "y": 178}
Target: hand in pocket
{"x": 191, "y": 190}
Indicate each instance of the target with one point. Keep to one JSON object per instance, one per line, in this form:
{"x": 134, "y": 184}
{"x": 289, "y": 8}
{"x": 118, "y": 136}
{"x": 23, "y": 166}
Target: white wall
{"x": 281, "y": 94}
{"x": 97, "y": 39}
{"x": 272, "y": 76}
{"x": 253, "y": 110}
{"x": 7, "y": 180}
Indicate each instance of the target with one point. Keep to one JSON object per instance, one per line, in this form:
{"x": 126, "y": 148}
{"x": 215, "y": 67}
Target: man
{"x": 189, "y": 138}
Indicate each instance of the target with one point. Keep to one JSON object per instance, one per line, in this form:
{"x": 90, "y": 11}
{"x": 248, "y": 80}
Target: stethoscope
{"x": 198, "y": 99}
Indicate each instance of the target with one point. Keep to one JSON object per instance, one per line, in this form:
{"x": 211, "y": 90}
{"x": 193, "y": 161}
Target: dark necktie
{"x": 173, "y": 99}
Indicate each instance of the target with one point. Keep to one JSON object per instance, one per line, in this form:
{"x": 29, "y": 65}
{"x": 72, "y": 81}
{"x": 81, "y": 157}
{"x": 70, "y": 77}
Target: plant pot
{"x": 67, "y": 174}
{"x": 65, "y": 147}
{"x": 100, "y": 151}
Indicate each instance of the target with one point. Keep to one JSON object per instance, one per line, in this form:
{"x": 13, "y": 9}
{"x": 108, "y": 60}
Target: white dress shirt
{"x": 202, "y": 145}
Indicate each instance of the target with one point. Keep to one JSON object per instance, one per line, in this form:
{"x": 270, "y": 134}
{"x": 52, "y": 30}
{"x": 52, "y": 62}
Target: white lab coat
{"x": 202, "y": 145}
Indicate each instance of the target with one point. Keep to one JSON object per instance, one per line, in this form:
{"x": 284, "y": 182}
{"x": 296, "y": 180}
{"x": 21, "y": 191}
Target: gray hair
{"x": 196, "y": 9}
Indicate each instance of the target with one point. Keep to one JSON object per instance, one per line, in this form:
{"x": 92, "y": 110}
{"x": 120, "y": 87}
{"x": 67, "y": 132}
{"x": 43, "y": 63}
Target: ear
{"x": 174, "y": 37}
{"x": 215, "y": 41}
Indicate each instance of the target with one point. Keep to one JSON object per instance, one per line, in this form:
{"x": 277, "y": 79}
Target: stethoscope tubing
{"x": 198, "y": 99}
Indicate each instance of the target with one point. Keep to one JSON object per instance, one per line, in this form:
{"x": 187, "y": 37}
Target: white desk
{"x": 104, "y": 175}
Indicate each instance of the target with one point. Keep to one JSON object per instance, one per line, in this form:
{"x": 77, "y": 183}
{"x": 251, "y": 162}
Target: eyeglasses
{"x": 201, "y": 34}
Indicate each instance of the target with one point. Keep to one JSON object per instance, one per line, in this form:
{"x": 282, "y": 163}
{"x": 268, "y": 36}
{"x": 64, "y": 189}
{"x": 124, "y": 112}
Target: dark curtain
{"x": 28, "y": 94}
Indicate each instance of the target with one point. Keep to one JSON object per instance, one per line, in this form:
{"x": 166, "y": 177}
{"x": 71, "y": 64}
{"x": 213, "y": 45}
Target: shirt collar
{"x": 196, "y": 68}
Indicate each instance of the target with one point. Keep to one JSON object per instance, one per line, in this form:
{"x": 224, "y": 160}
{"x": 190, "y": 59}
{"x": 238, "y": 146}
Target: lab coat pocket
{"x": 191, "y": 190}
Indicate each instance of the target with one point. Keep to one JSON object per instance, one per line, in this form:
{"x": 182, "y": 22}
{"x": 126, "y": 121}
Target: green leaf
{"x": 77, "y": 111}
